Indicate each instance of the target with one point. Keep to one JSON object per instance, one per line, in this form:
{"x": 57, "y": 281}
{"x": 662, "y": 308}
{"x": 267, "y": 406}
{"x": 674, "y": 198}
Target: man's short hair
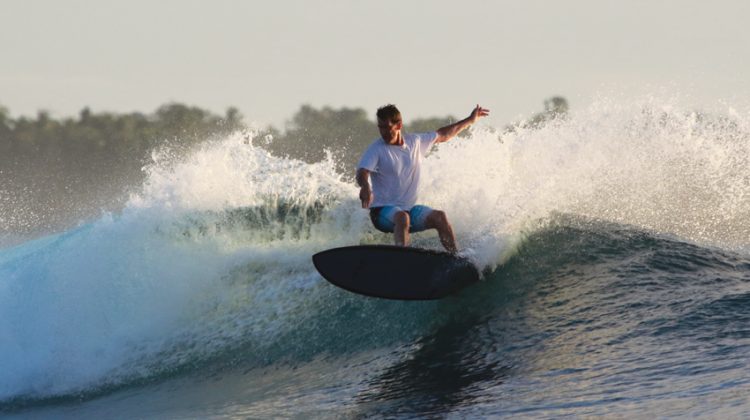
{"x": 389, "y": 113}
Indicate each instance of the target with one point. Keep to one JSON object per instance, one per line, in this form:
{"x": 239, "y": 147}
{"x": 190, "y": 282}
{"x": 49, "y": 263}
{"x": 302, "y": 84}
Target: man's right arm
{"x": 365, "y": 192}
{"x": 449, "y": 131}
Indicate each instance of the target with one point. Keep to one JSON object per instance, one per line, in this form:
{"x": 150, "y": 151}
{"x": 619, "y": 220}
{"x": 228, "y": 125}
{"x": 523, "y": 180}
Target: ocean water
{"x": 615, "y": 252}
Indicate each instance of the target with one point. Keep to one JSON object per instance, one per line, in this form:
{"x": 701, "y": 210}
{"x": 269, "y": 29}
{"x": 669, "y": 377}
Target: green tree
{"x": 55, "y": 171}
{"x": 345, "y": 132}
{"x": 554, "y": 108}
{"x": 425, "y": 125}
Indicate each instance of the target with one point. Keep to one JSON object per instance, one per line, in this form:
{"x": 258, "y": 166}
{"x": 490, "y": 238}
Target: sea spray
{"x": 93, "y": 307}
{"x": 647, "y": 163}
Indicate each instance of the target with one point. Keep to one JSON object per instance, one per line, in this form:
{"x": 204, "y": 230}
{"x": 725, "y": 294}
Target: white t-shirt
{"x": 394, "y": 170}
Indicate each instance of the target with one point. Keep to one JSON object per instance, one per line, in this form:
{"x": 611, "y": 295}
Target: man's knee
{"x": 401, "y": 219}
{"x": 437, "y": 218}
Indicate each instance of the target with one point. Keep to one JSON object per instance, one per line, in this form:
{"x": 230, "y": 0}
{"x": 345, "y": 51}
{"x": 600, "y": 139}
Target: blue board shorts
{"x": 383, "y": 218}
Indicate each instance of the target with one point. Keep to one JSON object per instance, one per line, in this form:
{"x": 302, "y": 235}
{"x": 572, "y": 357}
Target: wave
{"x": 208, "y": 267}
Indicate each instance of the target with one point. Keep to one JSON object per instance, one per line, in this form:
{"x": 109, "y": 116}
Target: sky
{"x": 431, "y": 58}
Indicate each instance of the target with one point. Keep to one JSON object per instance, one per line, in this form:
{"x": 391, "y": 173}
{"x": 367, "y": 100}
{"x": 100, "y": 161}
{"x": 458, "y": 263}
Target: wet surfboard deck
{"x": 395, "y": 272}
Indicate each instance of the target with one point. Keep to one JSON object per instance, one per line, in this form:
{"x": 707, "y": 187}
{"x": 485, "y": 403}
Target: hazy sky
{"x": 428, "y": 57}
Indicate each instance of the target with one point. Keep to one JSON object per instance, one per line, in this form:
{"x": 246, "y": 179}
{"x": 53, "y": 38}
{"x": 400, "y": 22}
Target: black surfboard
{"x": 395, "y": 272}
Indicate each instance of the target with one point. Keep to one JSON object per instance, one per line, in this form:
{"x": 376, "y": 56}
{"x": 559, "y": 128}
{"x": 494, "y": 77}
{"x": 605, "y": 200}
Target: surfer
{"x": 392, "y": 163}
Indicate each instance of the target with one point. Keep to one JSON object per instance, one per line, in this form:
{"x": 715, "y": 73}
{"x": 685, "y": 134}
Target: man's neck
{"x": 397, "y": 140}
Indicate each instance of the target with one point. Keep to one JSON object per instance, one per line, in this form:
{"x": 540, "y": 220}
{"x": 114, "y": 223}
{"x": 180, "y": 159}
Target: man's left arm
{"x": 449, "y": 131}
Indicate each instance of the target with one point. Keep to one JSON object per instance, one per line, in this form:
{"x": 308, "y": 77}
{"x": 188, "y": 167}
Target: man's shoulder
{"x": 378, "y": 143}
{"x": 373, "y": 150}
{"x": 417, "y": 136}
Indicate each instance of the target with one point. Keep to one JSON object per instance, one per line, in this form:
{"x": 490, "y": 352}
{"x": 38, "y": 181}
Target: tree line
{"x": 56, "y": 171}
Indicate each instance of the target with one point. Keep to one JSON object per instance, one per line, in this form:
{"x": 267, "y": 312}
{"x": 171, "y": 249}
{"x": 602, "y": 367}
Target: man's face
{"x": 389, "y": 130}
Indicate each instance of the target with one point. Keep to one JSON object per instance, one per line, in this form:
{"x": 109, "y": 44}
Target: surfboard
{"x": 395, "y": 272}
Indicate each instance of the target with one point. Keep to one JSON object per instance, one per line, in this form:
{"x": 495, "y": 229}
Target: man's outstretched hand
{"x": 477, "y": 113}
{"x": 449, "y": 131}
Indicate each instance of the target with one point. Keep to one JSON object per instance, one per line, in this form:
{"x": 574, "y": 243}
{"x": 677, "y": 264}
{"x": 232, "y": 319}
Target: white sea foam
{"x": 648, "y": 163}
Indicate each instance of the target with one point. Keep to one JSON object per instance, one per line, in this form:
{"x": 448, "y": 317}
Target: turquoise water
{"x": 617, "y": 283}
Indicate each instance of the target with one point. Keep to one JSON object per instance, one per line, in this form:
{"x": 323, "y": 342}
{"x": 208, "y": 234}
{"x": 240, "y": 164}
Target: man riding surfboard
{"x": 392, "y": 165}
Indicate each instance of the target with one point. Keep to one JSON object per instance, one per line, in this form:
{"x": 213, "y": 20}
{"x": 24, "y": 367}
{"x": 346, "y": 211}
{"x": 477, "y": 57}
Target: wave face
{"x": 624, "y": 223}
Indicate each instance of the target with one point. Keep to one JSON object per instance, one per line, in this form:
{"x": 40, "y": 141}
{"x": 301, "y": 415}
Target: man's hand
{"x": 477, "y": 113}
{"x": 449, "y": 131}
{"x": 365, "y": 195}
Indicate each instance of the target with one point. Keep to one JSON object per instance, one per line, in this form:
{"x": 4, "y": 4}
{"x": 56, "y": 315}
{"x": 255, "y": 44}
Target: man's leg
{"x": 401, "y": 229}
{"x": 438, "y": 220}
